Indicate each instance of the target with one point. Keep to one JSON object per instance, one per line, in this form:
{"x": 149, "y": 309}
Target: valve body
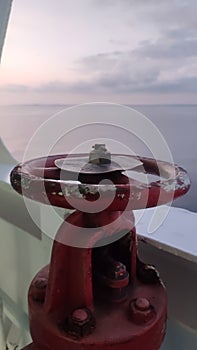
{"x": 96, "y": 297}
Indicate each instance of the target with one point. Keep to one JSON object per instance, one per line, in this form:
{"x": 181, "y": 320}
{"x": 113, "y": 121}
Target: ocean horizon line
{"x": 77, "y": 104}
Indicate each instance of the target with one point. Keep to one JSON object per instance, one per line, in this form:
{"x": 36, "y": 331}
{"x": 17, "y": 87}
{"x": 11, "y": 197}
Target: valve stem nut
{"x": 80, "y": 323}
{"x": 100, "y": 155}
{"x": 141, "y": 311}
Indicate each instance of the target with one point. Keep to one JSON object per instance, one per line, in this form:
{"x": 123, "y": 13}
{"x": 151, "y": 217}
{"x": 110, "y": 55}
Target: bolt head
{"x": 148, "y": 274}
{"x": 142, "y": 304}
{"x": 80, "y": 323}
{"x": 80, "y": 315}
{"x": 141, "y": 311}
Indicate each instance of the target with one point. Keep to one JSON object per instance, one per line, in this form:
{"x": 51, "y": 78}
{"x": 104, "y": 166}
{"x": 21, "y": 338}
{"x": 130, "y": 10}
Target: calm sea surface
{"x": 177, "y": 123}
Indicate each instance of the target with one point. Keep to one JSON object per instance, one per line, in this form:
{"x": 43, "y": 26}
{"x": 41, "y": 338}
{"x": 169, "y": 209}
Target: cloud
{"x": 13, "y": 88}
{"x": 174, "y": 44}
{"x": 165, "y": 61}
{"x": 162, "y": 15}
{"x": 165, "y": 64}
{"x": 172, "y": 14}
{"x": 108, "y": 84}
{"x": 186, "y": 84}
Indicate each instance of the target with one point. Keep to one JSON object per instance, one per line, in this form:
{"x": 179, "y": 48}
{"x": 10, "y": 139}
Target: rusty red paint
{"x": 33, "y": 176}
{"x": 70, "y": 292}
{"x": 97, "y": 297}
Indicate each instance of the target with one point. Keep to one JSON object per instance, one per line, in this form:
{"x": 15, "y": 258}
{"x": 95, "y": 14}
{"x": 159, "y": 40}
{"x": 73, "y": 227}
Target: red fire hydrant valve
{"x": 99, "y": 295}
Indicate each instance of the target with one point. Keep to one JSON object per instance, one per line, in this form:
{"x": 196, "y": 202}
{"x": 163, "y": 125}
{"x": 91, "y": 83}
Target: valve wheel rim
{"x": 34, "y": 176}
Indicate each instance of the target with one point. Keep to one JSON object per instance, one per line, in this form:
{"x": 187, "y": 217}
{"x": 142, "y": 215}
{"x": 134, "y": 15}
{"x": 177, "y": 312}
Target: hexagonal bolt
{"x": 148, "y": 274}
{"x": 80, "y": 323}
{"x": 80, "y": 316}
{"x": 142, "y": 304}
{"x": 120, "y": 270}
{"x": 116, "y": 270}
{"x": 141, "y": 311}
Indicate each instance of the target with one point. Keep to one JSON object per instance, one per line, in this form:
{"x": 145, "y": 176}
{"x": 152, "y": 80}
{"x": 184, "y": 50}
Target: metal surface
{"x": 83, "y": 166}
{"x": 41, "y": 180}
{"x": 80, "y": 311}
{"x": 101, "y": 295}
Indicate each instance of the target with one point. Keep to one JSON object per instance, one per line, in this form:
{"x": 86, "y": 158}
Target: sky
{"x": 122, "y": 51}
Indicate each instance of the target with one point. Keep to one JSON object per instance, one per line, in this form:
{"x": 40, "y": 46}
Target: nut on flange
{"x": 80, "y": 323}
{"x": 141, "y": 311}
{"x": 147, "y": 274}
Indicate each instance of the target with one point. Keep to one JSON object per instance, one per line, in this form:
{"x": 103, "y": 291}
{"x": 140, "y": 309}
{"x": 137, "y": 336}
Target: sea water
{"x": 177, "y": 123}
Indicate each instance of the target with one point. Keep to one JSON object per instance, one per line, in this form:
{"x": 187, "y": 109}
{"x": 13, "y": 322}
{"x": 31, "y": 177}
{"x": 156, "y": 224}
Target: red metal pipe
{"x": 74, "y": 283}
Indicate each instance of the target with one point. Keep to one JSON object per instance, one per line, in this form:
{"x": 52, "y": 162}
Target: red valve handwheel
{"x": 39, "y": 177}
